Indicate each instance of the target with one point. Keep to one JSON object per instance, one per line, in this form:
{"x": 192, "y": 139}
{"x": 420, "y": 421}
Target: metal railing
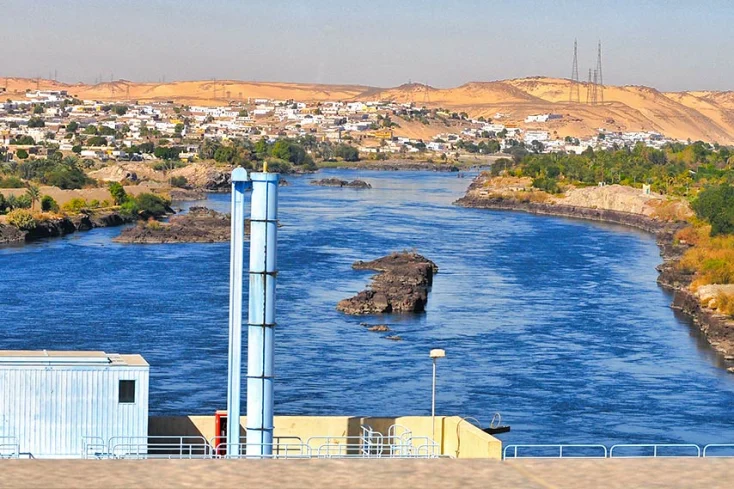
{"x": 719, "y": 446}
{"x": 654, "y": 450}
{"x": 398, "y": 443}
{"x": 94, "y": 447}
{"x": 359, "y": 447}
{"x": 9, "y": 447}
{"x": 282, "y": 447}
{"x": 147, "y": 447}
{"x": 549, "y": 451}
{"x": 621, "y": 450}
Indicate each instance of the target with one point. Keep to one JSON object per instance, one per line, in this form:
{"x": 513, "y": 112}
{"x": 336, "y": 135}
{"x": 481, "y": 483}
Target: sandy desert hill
{"x": 705, "y": 115}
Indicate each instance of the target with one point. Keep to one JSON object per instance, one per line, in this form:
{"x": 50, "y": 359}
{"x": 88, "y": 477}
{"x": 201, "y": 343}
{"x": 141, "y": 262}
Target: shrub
{"x": 22, "y": 154}
{"x": 19, "y": 202}
{"x": 711, "y": 259}
{"x": 725, "y": 304}
{"x": 48, "y": 204}
{"x": 75, "y": 205}
{"x": 346, "y": 152}
{"x": 549, "y": 185}
{"x": 179, "y": 182}
{"x": 11, "y": 182}
{"x": 716, "y": 205}
{"x": 152, "y": 204}
{"x": 21, "y": 219}
{"x": 129, "y": 207}
{"x": 117, "y": 191}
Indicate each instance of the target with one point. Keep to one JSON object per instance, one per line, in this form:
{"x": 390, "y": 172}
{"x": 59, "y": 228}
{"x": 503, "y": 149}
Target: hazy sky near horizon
{"x": 670, "y": 45}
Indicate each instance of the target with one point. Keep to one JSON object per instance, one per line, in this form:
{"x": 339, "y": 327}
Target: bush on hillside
{"x": 117, "y": 191}
{"x": 48, "y": 204}
{"x": 178, "y": 182}
{"x": 11, "y": 182}
{"x": 21, "y": 219}
{"x": 75, "y": 205}
{"x": 152, "y": 204}
{"x": 549, "y": 185}
{"x": 716, "y": 205}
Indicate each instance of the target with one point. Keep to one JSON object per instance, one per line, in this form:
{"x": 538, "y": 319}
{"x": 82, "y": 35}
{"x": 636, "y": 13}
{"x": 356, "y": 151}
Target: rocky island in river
{"x": 401, "y": 286}
{"x": 337, "y": 182}
{"x": 199, "y": 225}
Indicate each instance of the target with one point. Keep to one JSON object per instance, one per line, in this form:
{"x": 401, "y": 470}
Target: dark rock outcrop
{"x": 401, "y": 286}
{"x": 11, "y": 235}
{"x": 217, "y": 182}
{"x": 199, "y": 225}
{"x": 337, "y": 182}
{"x": 178, "y": 194}
{"x": 109, "y": 219}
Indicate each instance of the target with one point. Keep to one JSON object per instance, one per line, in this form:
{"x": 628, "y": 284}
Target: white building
{"x": 542, "y": 117}
{"x": 531, "y": 136}
{"x": 56, "y": 403}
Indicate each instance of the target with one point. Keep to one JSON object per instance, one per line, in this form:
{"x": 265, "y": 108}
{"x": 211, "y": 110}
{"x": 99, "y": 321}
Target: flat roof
{"x": 61, "y": 357}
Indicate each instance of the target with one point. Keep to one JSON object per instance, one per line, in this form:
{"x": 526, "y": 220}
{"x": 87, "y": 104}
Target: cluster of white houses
{"x": 359, "y": 123}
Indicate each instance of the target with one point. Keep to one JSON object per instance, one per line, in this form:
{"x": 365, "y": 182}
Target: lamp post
{"x": 435, "y": 354}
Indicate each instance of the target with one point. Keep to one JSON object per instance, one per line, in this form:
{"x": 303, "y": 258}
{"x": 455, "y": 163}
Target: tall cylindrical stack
{"x": 261, "y": 324}
{"x": 240, "y": 184}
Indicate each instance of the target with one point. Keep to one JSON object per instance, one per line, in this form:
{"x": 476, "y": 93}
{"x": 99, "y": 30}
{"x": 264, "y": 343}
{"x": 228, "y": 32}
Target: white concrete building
{"x": 531, "y": 136}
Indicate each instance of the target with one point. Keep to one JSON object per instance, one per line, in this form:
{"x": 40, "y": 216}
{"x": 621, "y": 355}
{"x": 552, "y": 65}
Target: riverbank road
{"x": 668, "y": 473}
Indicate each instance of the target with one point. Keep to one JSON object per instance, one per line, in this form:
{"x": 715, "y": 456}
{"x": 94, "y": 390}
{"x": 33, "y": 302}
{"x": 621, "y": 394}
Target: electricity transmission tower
{"x": 574, "y": 95}
{"x": 600, "y": 85}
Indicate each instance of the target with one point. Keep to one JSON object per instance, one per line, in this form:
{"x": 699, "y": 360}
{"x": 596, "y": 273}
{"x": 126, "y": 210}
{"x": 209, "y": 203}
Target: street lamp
{"x": 435, "y": 354}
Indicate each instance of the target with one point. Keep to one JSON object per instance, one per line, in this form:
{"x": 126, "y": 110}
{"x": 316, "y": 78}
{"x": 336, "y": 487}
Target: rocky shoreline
{"x": 401, "y": 286}
{"x": 52, "y": 228}
{"x": 717, "y": 329}
{"x": 399, "y": 165}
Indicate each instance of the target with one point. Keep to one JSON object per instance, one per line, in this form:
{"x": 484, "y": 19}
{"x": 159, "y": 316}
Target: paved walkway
{"x": 381, "y": 474}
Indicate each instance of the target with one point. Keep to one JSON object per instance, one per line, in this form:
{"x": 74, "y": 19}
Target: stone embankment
{"x": 337, "y": 182}
{"x": 401, "y": 286}
{"x": 199, "y": 225}
{"x": 630, "y": 208}
{"x": 61, "y": 226}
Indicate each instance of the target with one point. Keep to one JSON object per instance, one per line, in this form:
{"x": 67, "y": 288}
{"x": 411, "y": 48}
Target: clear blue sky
{"x": 671, "y": 45}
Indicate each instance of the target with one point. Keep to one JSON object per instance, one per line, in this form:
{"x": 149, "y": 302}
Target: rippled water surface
{"x": 556, "y": 323}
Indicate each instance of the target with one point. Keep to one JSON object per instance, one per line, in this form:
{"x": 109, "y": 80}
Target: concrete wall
{"x": 456, "y": 438}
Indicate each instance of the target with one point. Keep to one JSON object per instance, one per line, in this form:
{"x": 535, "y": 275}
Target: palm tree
{"x": 34, "y": 194}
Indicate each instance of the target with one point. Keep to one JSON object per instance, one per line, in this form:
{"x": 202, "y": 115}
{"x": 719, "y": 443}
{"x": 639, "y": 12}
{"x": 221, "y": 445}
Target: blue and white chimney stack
{"x": 261, "y": 322}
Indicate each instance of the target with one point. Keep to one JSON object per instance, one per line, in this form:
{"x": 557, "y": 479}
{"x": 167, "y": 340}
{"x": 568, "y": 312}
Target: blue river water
{"x": 558, "y": 324}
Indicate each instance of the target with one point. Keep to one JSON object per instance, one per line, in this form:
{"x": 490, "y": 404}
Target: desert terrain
{"x": 705, "y": 115}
